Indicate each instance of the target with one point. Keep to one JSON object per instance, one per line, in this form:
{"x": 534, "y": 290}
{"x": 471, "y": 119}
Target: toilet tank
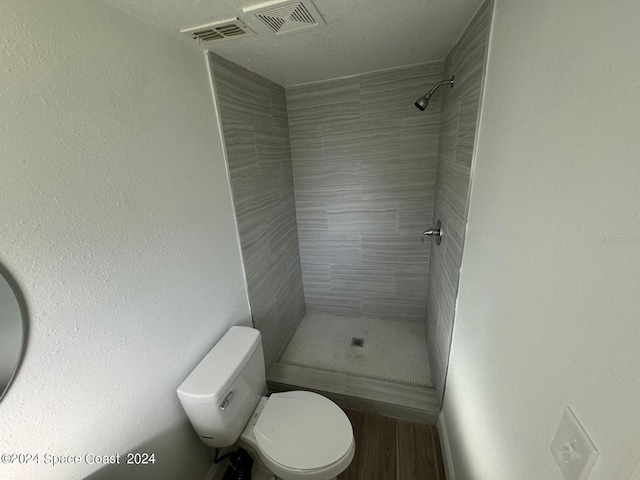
{"x": 221, "y": 393}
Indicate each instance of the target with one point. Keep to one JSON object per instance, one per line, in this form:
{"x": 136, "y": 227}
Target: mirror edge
{"x": 24, "y": 313}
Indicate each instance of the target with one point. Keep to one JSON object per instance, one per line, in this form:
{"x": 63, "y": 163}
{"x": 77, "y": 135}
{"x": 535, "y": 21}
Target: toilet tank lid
{"x": 215, "y": 373}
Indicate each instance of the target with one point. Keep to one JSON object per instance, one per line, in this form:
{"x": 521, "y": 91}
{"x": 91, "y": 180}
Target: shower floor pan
{"x": 363, "y": 363}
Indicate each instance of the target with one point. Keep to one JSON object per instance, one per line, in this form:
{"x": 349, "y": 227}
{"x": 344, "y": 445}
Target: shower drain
{"x": 357, "y": 342}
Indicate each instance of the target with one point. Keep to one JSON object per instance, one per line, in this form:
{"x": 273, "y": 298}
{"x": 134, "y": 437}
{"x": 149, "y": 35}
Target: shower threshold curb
{"x": 405, "y": 402}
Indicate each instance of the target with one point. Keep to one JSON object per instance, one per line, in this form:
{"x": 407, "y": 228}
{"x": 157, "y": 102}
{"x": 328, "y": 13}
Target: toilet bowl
{"x": 295, "y": 435}
{"x": 299, "y": 436}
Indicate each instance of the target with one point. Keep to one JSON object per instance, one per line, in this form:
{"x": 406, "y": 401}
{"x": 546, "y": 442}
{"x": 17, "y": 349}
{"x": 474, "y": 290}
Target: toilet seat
{"x": 329, "y": 472}
{"x": 304, "y": 435}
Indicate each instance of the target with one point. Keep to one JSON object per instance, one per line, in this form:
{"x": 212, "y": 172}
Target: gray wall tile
{"x": 460, "y": 106}
{"x": 364, "y": 167}
{"x": 254, "y": 121}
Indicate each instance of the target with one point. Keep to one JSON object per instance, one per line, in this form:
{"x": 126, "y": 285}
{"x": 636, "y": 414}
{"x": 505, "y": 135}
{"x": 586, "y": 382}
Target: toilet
{"x": 295, "y": 435}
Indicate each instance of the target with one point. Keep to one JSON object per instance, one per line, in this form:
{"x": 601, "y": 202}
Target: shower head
{"x": 423, "y": 101}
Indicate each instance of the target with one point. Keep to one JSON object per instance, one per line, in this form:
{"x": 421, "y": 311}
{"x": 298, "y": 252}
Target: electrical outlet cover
{"x": 572, "y": 448}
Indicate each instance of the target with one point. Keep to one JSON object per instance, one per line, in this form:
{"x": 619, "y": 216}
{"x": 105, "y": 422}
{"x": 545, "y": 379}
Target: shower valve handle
{"x": 433, "y": 232}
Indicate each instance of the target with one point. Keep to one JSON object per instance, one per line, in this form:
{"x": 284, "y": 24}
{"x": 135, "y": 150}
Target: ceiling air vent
{"x": 218, "y": 31}
{"x": 286, "y": 17}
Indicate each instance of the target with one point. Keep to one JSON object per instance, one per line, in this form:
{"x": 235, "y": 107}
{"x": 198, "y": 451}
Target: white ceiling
{"x": 359, "y": 35}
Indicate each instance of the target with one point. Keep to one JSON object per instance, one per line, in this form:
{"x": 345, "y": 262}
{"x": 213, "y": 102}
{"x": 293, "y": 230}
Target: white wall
{"x": 116, "y": 220}
{"x": 548, "y": 306}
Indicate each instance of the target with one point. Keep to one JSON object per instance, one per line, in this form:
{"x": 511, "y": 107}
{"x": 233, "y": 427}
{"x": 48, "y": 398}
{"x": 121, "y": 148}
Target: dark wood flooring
{"x": 390, "y": 449}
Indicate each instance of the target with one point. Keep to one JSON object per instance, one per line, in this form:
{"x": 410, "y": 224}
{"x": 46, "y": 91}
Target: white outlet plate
{"x": 572, "y": 448}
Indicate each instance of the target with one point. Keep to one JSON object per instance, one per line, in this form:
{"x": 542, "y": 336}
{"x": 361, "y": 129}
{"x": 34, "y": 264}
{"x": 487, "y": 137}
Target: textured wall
{"x": 546, "y": 320}
{"x": 364, "y": 161}
{"x": 117, "y": 223}
{"x": 460, "y": 107}
{"x": 253, "y": 114}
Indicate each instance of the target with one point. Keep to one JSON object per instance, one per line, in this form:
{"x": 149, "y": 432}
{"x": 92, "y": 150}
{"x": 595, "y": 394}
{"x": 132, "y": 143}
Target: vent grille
{"x": 277, "y": 18}
{"x": 219, "y": 31}
{"x": 288, "y": 16}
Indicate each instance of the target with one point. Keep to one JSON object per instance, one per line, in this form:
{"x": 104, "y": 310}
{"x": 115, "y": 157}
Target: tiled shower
{"x": 333, "y": 182}
{"x": 364, "y": 165}
{"x": 253, "y": 114}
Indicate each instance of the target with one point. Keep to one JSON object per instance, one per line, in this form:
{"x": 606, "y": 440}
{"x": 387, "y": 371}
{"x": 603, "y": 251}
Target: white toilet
{"x": 290, "y": 436}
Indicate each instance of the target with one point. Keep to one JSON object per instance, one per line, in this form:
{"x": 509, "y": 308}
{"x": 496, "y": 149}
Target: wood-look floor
{"x": 390, "y": 449}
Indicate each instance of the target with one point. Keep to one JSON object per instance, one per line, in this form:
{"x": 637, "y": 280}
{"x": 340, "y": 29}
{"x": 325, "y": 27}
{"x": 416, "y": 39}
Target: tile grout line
{"x": 397, "y": 449}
